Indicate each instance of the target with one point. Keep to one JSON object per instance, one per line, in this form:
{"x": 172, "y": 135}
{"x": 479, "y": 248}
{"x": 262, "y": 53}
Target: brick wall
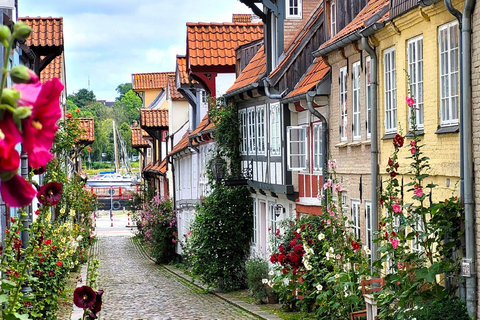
{"x": 476, "y": 126}
{"x": 293, "y": 26}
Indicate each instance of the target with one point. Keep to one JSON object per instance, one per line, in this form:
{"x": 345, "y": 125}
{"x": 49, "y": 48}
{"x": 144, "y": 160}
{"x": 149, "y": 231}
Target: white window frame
{"x": 343, "y": 104}
{"x": 344, "y": 202}
{"x": 275, "y": 132}
{"x": 415, "y": 242}
{"x": 272, "y": 223}
{"x": 255, "y": 223}
{"x": 355, "y": 218}
{"x": 317, "y": 147}
{"x": 368, "y": 225}
{"x": 333, "y": 19}
{"x": 244, "y": 131}
{"x": 415, "y": 72}
{"x": 149, "y": 152}
{"x": 356, "y": 109}
{"x": 295, "y": 5}
{"x": 368, "y": 75}
{"x": 390, "y": 90}
{"x": 448, "y": 71}
{"x": 251, "y": 115}
{"x": 261, "y": 134}
{"x": 297, "y": 148}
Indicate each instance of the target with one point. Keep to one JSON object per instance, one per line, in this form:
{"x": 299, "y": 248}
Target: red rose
{"x": 273, "y": 258}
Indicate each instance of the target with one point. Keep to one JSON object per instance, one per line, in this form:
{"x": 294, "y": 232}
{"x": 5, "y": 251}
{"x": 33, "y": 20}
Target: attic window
{"x": 333, "y": 19}
{"x": 294, "y": 9}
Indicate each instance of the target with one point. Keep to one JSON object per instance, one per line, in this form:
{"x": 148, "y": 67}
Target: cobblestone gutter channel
{"x": 136, "y": 288}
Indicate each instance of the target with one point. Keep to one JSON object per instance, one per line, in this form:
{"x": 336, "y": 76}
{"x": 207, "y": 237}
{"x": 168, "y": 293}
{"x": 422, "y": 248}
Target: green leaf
{"x": 21, "y": 316}
{"x": 8, "y": 285}
{"x": 3, "y": 298}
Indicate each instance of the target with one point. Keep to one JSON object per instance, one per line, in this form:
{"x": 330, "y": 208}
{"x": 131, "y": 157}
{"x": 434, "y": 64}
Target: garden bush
{"x": 442, "y": 310}
{"x": 257, "y": 270}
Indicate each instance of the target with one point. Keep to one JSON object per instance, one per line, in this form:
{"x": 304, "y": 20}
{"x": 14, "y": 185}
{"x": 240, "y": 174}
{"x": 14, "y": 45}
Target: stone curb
{"x": 253, "y": 309}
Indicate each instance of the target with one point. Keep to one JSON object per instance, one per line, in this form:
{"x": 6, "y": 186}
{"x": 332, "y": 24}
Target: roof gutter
{"x": 276, "y": 96}
{"x": 466, "y": 151}
{"x": 373, "y": 138}
{"x": 310, "y": 95}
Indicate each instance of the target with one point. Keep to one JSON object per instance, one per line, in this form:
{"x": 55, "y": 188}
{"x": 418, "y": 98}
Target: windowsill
{"x": 367, "y": 142}
{"x": 341, "y": 145}
{"x": 355, "y": 144}
{"x": 419, "y": 132}
{"x": 388, "y": 136}
{"x": 448, "y": 129}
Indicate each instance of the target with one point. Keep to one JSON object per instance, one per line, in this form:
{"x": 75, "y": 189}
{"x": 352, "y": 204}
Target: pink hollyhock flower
{"x": 337, "y": 187}
{"x": 410, "y": 101}
{"x": 413, "y": 150}
{"x": 9, "y": 138}
{"x": 400, "y": 265}
{"x": 412, "y": 143}
{"x": 16, "y": 191}
{"x": 39, "y": 129}
{"x": 418, "y": 192}
{"x": 328, "y": 184}
{"x": 395, "y": 243}
{"x": 396, "y": 208}
{"x": 50, "y": 193}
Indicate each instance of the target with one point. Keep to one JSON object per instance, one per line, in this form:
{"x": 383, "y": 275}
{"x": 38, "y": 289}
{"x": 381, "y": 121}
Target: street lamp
{"x": 218, "y": 168}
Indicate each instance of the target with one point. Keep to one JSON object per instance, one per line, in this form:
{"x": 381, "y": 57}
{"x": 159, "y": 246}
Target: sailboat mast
{"x": 115, "y": 147}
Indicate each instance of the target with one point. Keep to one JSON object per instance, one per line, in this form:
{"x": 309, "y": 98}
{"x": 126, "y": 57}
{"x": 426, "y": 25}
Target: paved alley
{"x": 136, "y": 288}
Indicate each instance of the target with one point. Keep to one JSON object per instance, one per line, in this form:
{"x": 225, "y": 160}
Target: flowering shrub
{"x": 419, "y": 239}
{"x": 157, "y": 225}
{"x": 320, "y": 263}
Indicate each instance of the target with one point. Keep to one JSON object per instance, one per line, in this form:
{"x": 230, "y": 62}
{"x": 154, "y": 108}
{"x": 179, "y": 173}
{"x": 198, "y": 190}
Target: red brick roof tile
{"x": 359, "y": 22}
{"x": 46, "y": 32}
{"x": 174, "y": 94}
{"x": 137, "y": 138}
{"x": 159, "y": 166}
{"x": 241, "y": 18}
{"x": 87, "y": 128}
{"x": 53, "y": 69}
{"x": 153, "y": 118}
{"x": 252, "y": 72}
{"x": 182, "y": 69}
{"x": 204, "y": 126}
{"x": 213, "y": 44}
{"x": 315, "y": 73}
{"x": 152, "y": 80}
{"x": 182, "y": 144}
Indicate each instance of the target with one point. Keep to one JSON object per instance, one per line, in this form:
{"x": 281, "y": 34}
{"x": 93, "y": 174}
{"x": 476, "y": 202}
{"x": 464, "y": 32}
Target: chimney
{"x": 241, "y": 18}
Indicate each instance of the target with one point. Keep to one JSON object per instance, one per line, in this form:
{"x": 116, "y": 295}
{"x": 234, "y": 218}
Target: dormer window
{"x": 294, "y": 9}
{"x": 333, "y": 19}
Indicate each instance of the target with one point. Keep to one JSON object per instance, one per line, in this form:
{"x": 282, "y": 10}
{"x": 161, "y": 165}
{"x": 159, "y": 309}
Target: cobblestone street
{"x": 136, "y": 288}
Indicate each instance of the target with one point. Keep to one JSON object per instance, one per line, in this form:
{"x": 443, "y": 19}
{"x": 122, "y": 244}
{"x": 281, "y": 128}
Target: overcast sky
{"x": 108, "y": 40}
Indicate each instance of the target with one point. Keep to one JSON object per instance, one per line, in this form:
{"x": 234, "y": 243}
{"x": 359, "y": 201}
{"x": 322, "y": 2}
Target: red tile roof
{"x": 46, "y": 32}
{"x": 241, "y": 18}
{"x": 174, "y": 94}
{"x": 87, "y": 130}
{"x": 153, "y": 118}
{"x": 213, "y": 44}
{"x": 137, "y": 138}
{"x": 315, "y": 73}
{"x": 182, "y": 144}
{"x": 53, "y": 69}
{"x": 204, "y": 126}
{"x": 152, "y": 80}
{"x": 359, "y": 22}
{"x": 304, "y": 31}
{"x": 182, "y": 69}
{"x": 157, "y": 167}
{"x": 252, "y": 72}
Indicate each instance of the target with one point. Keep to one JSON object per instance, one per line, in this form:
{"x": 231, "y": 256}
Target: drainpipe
{"x": 466, "y": 155}
{"x": 270, "y": 95}
{"x": 170, "y": 160}
{"x": 309, "y": 96}
{"x": 373, "y": 138}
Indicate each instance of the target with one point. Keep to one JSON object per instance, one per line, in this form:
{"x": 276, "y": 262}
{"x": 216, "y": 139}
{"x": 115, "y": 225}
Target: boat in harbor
{"x": 109, "y": 180}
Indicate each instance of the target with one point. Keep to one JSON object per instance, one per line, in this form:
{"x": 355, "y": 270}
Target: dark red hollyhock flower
{"x": 393, "y": 174}
{"x": 84, "y": 297}
{"x": 39, "y": 170}
{"x": 98, "y": 303}
{"x": 51, "y": 273}
{"x": 273, "y": 258}
{"x": 50, "y": 193}
{"x": 355, "y": 245}
{"x": 390, "y": 162}
{"x": 398, "y": 141}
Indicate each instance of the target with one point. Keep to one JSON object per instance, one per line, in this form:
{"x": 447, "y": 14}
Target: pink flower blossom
{"x": 337, "y": 187}
{"x": 329, "y": 221}
{"x": 418, "y": 192}
{"x": 400, "y": 265}
{"x": 413, "y": 150}
{"x": 396, "y": 208}
{"x": 395, "y": 243}
{"x": 16, "y": 191}
{"x": 412, "y": 143}
{"x": 332, "y": 164}
{"x": 328, "y": 184}
{"x": 410, "y": 101}
{"x": 39, "y": 129}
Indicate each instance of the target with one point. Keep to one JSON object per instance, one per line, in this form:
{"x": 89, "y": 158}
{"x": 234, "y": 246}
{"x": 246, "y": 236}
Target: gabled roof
{"x": 53, "y": 69}
{"x": 46, "y": 32}
{"x": 213, "y": 44}
{"x": 182, "y": 144}
{"x": 182, "y": 70}
{"x": 137, "y": 138}
{"x": 251, "y": 74}
{"x": 152, "y": 80}
{"x": 87, "y": 129}
{"x": 317, "y": 71}
{"x": 300, "y": 39}
{"x": 153, "y": 118}
{"x": 362, "y": 20}
{"x": 172, "y": 89}
{"x": 204, "y": 127}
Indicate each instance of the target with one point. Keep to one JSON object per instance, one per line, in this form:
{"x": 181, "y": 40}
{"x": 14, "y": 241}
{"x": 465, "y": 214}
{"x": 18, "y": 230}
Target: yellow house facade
{"x": 425, "y": 43}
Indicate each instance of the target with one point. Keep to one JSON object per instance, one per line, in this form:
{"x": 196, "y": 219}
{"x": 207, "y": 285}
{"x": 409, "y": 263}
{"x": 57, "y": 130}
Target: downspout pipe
{"x": 276, "y": 96}
{"x": 373, "y": 138}
{"x": 170, "y": 160}
{"x": 310, "y": 95}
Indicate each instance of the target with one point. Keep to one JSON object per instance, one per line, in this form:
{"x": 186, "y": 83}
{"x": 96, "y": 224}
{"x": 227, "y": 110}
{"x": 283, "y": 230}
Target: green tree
{"x": 82, "y": 98}
{"x": 122, "y": 90}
